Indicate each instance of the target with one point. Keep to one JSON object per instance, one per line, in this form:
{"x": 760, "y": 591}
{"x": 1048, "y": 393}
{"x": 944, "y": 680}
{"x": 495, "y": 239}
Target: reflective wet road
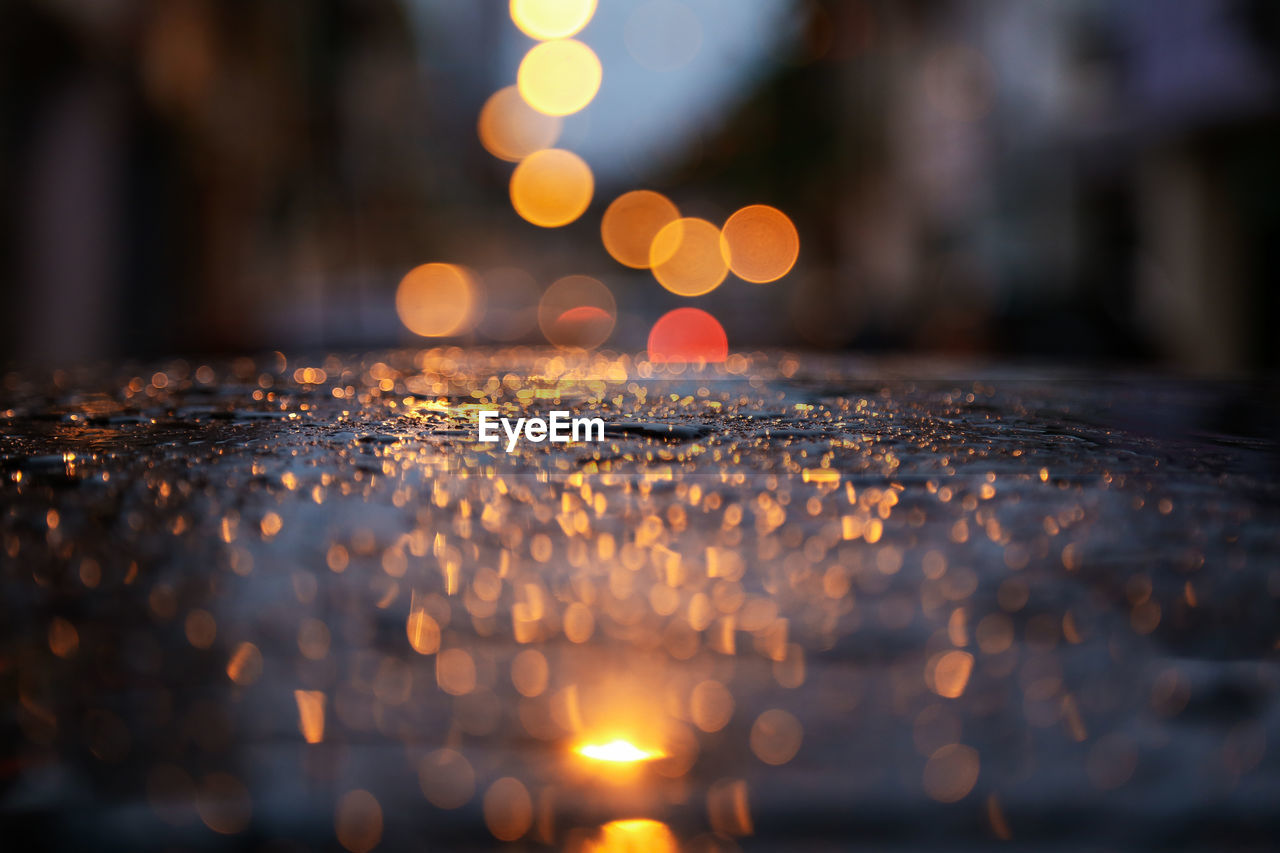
{"x": 788, "y": 603}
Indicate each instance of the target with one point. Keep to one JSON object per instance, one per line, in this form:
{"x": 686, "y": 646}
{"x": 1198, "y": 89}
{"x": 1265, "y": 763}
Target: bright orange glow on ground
{"x": 617, "y": 751}
{"x": 631, "y": 223}
{"x": 436, "y": 300}
{"x": 687, "y": 257}
{"x": 511, "y": 130}
{"x": 551, "y": 19}
{"x": 636, "y": 835}
{"x": 688, "y": 335}
{"x": 761, "y": 244}
{"x": 560, "y": 77}
{"x": 577, "y": 311}
{"x": 552, "y": 188}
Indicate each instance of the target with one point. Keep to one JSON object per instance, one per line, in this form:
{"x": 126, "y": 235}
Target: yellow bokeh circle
{"x": 688, "y": 258}
{"x": 559, "y": 77}
{"x": 551, "y": 19}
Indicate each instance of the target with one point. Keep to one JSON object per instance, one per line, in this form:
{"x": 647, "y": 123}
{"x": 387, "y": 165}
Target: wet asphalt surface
{"x": 838, "y": 604}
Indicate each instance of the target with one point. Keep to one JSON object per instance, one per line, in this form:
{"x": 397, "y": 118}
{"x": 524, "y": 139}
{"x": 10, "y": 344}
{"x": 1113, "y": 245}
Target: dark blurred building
{"x": 188, "y": 173}
{"x": 1079, "y": 179}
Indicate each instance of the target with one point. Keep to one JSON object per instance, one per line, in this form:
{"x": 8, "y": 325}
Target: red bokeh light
{"x": 688, "y": 335}
{"x": 585, "y": 326}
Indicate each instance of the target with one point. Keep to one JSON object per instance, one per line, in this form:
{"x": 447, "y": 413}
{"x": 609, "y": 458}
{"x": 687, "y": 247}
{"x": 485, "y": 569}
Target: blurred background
{"x": 1069, "y": 179}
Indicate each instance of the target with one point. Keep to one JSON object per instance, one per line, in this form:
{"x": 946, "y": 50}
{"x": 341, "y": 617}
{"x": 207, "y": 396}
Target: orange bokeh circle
{"x": 761, "y": 243}
{"x": 551, "y": 188}
{"x": 437, "y": 300}
{"x": 688, "y": 258}
{"x": 511, "y": 130}
{"x": 631, "y": 222}
{"x": 577, "y": 312}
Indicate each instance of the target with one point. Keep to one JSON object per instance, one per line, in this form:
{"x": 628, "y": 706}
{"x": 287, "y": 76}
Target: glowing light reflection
{"x": 634, "y": 835}
{"x": 617, "y": 751}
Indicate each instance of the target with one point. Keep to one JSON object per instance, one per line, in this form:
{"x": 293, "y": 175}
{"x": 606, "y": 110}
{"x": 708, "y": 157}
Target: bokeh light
{"x": 437, "y": 300}
{"x": 456, "y": 672}
{"x": 511, "y": 130}
{"x": 761, "y": 243}
{"x": 951, "y": 772}
{"x": 633, "y": 835}
{"x": 631, "y": 222}
{"x": 729, "y": 809}
{"x": 529, "y": 672}
{"x": 447, "y": 779}
{"x": 560, "y": 77}
{"x": 710, "y": 705}
{"x": 551, "y": 19}
{"x": 310, "y": 714}
{"x": 224, "y": 803}
{"x": 688, "y": 335}
{"x": 551, "y": 188}
{"x": 776, "y": 736}
{"x": 947, "y": 673}
{"x": 584, "y": 327}
{"x": 245, "y": 666}
{"x": 687, "y": 257}
{"x": 508, "y": 809}
{"x": 357, "y": 821}
{"x": 1111, "y": 761}
{"x": 577, "y": 311}
{"x": 63, "y": 638}
{"x": 616, "y": 751}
